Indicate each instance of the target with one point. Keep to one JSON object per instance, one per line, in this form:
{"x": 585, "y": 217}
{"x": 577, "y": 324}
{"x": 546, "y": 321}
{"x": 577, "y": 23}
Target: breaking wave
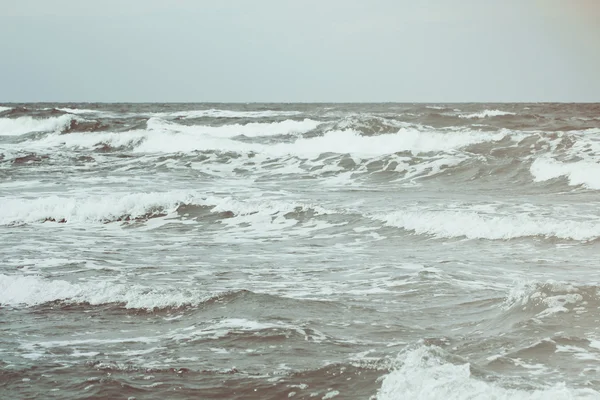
{"x": 173, "y": 138}
{"x": 23, "y": 125}
{"x": 91, "y": 209}
{"x": 79, "y": 110}
{"x": 552, "y": 297}
{"x": 252, "y": 129}
{"x": 585, "y": 173}
{"x": 472, "y": 225}
{"x": 142, "y": 206}
{"x": 215, "y": 113}
{"x": 486, "y": 114}
{"x": 424, "y": 373}
{"x": 16, "y": 290}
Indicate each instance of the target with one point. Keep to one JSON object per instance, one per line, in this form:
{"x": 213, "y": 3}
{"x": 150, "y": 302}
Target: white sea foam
{"x": 23, "y": 125}
{"x": 2, "y": 108}
{"x": 486, "y": 114}
{"x": 167, "y": 137}
{"x": 215, "y": 113}
{"x": 550, "y": 297}
{"x": 258, "y": 205}
{"x": 262, "y": 218}
{"x": 339, "y": 142}
{"x": 91, "y": 208}
{"x": 424, "y": 374}
{"x": 473, "y": 225}
{"x": 264, "y": 214}
{"x": 585, "y": 173}
{"x": 88, "y": 140}
{"x": 224, "y": 327}
{"x": 252, "y": 129}
{"x": 17, "y": 290}
{"x": 79, "y": 111}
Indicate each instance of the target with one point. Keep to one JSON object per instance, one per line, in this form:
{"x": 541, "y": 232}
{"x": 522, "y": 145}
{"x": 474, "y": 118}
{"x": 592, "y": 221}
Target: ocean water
{"x": 274, "y": 251}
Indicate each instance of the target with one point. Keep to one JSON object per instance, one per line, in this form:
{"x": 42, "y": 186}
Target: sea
{"x": 299, "y": 251}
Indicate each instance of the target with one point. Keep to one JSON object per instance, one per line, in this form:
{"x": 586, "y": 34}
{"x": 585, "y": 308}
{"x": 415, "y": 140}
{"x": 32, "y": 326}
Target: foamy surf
{"x": 253, "y": 129}
{"x": 547, "y": 298}
{"x": 486, "y": 114}
{"x": 423, "y": 373}
{"x": 294, "y": 250}
{"x": 18, "y": 290}
{"x": 23, "y": 125}
{"x": 143, "y": 206}
{"x": 95, "y": 209}
{"x": 474, "y": 225}
{"x": 216, "y": 113}
{"x": 578, "y": 173}
{"x": 78, "y": 110}
{"x": 337, "y": 142}
{"x": 169, "y": 137}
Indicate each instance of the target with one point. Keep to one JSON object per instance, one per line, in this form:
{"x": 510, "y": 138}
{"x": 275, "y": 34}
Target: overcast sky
{"x": 304, "y": 50}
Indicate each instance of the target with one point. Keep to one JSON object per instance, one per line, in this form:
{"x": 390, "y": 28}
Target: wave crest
{"x": 253, "y": 129}
{"x": 550, "y": 297}
{"x": 472, "y": 225}
{"x": 486, "y": 114}
{"x": 18, "y": 290}
{"x": 584, "y": 173}
{"x": 91, "y": 209}
{"x": 24, "y": 125}
{"x": 425, "y": 373}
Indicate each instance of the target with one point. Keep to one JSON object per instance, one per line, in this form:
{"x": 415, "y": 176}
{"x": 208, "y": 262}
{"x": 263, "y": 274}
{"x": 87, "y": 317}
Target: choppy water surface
{"x": 270, "y": 251}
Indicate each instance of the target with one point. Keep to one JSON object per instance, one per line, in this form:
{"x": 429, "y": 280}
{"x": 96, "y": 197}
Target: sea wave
{"x": 551, "y": 297}
{"x": 337, "y": 141}
{"x": 474, "y": 225}
{"x": 143, "y": 206}
{"x": 168, "y": 137}
{"x": 103, "y": 209}
{"x": 18, "y": 290}
{"x": 425, "y": 373}
{"x": 486, "y": 114}
{"x": 78, "y": 110}
{"x": 23, "y": 125}
{"x": 584, "y": 173}
{"x": 252, "y": 129}
{"x": 216, "y": 113}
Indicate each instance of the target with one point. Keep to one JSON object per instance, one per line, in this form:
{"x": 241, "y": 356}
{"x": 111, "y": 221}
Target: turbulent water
{"x": 271, "y": 251}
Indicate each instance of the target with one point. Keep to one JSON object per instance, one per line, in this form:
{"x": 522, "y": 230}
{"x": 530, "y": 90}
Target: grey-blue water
{"x": 271, "y": 251}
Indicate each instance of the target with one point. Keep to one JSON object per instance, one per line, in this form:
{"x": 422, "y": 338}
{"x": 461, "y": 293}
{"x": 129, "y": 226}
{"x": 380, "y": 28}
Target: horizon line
{"x": 298, "y": 102}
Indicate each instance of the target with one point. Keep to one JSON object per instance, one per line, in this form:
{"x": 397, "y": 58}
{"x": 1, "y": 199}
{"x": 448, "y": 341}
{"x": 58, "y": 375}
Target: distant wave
{"x": 168, "y": 137}
{"x": 214, "y": 113}
{"x": 340, "y": 142}
{"x": 2, "y": 109}
{"x": 79, "y": 111}
{"x": 251, "y": 129}
{"x": 486, "y": 114}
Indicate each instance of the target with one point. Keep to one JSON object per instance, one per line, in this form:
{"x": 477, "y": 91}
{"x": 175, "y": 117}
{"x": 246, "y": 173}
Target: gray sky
{"x": 305, "y": 50}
